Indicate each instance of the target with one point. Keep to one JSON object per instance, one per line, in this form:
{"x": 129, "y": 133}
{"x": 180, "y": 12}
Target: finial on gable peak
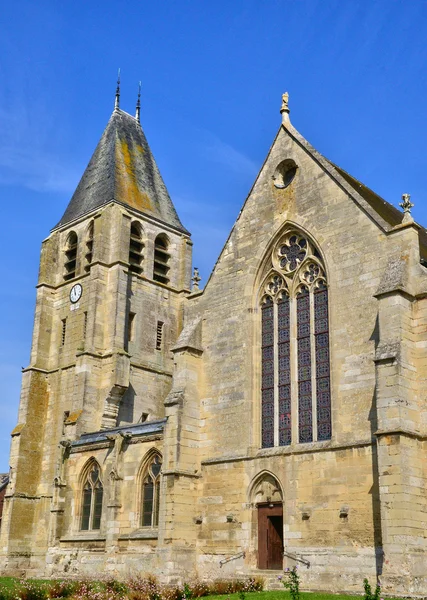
{"x": 195, "y": 280}
{"x": 117, "y": 100}
{"x": 138, "y": 105}
{"x": 406, "y": 204}
{"x": 285, "y": 108}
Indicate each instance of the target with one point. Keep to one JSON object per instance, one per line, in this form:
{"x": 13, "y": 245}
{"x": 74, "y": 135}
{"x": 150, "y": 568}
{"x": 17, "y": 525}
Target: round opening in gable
{"x": 284, "y": 174}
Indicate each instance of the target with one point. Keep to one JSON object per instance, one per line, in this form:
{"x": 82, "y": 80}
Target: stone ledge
{"x": 141, "y": 534}
{"x": 83, "y": 538}
{"x": 400, "y": 431}
{"x": 311, "y": 448}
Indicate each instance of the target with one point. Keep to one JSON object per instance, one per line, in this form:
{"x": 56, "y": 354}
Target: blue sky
{"x": 212, "y": 77}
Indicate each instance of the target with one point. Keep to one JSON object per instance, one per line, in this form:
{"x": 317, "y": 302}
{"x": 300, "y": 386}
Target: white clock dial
{"x": 76, "y": 292}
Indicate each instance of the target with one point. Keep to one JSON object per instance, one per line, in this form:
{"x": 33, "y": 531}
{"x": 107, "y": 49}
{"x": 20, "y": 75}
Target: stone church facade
{"x": 276, "y": 417}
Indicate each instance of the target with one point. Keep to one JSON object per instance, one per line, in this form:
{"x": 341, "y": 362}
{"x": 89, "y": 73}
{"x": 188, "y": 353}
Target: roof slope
{"x": 123, "y": 169}
{"x": 392, "y": 215}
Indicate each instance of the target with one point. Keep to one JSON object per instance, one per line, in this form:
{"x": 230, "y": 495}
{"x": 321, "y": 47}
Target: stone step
{"x": 271, "y": 581}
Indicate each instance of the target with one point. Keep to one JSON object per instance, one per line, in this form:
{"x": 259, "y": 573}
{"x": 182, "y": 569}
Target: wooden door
{"x": 270, "y": 536}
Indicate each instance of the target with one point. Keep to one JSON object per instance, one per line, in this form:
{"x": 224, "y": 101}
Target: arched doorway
{"x": 267, "y": 499}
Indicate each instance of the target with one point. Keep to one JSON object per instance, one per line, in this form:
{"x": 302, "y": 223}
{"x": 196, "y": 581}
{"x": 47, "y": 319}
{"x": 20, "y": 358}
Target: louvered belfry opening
{"x": 161, "y": 259}
{"x": 136, "y": 248}
{"x": 89, "y": 247}
{"x": 70, "y": 257}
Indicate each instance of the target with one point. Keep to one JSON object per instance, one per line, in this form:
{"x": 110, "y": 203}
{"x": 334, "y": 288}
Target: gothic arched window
{"x": 295, "y": 379}
{"x": 70, "y": 256}
{"x": 93, "y": 492}
{"x": 151, "y": 493}
{"x": 161, "y": 259}
{"x": 136, "y": 246}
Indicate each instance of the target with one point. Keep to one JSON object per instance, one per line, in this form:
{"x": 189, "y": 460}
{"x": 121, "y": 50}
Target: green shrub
{"x": 32, "y": 590}
{"x": 117, "y": 587}
{"x": 221, "y": 587}
{"x": 143, "y": 588}
{"x": 291, "y": 582}
{"x": 62, "y": 589}
{"x": 368, "y": 591}
{"x": 199, "y": 589}
{"x": 6, "y": 593}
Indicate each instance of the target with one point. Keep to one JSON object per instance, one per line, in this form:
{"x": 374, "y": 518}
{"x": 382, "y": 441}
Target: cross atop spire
{"x": 117, "y": 101}
{"x": 138, "y": 105}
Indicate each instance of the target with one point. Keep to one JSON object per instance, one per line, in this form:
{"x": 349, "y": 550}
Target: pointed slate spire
{"x": 123, "y": 169}
{"x": 117, "y": 100}
{"x": 138, "y": 105}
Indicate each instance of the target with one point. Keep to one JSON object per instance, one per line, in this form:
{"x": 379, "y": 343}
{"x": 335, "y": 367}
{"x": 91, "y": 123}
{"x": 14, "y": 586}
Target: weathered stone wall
{"x": 91, "y": 378}
{"x": 353, "y": 506}
{"x": 348, "y": 471}
{"x": 331, "y": 513}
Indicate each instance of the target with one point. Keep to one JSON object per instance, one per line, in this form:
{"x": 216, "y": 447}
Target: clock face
{"x": 76, "y": 293}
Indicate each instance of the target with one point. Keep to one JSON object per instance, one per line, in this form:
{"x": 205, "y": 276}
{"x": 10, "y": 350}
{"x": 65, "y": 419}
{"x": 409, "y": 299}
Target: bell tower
{"x": 113, "y": 276}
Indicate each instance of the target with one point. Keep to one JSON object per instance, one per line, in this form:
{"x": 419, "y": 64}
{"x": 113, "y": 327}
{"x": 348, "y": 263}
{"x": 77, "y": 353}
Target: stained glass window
{"x": 323, "y": 380}
{"x": 151, "y": 493}
{"x": 293, "y": 253}
{"x": 295, "y": 380}
{"x": 92, "y": 501}
{"x": 283, "y": 332}
{"x": 267, "y": 376}
{"x": 305, "y": 410}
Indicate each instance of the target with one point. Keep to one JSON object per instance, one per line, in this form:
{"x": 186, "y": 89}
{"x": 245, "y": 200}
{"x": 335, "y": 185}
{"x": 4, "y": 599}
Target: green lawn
{"x": 10, "y": 582}
{"x": 284, "y": 595}
{"x": 7, "y": 582}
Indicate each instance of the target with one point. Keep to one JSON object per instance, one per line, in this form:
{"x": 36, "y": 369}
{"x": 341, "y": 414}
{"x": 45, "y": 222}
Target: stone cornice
{"x": 402, "y": 432}
{"x": 311, "y": 448}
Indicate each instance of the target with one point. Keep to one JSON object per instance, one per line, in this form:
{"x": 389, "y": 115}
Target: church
{"x": 277, "y": 417}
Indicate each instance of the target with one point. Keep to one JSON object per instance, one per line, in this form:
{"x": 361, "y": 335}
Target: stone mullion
{"x": 293, "y": 352}
{"x": 313, "y": 368}
{"x": 276, "y": 371}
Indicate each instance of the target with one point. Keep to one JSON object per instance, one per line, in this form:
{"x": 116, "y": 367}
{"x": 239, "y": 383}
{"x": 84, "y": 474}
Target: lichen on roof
{"x": 123, "y": 169}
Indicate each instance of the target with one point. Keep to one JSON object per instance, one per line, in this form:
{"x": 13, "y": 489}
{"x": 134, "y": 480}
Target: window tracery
{"x": 295, "y": 381}
{"x": 151, "y": 493}
{"x": 93, "y": 492}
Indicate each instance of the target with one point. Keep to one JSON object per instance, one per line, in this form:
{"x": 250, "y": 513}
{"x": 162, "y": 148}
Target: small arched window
{"x": 93, "y": 492}
{"x": 136, "y": 247}
{"x": 151, "y": 493}
{"x": 70, "y": 256}
{"x": 295, "y": 379}
{"x": 161, "y": 259}
{"x": 89, "y": 246}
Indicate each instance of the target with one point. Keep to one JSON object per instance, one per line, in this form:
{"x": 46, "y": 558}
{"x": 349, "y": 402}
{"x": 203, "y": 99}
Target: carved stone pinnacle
{"x": 406, "y": 203}
{"x": 285, "y": 100}
{"x": 195, "y": 280}
{"x": 285, "y": 108}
